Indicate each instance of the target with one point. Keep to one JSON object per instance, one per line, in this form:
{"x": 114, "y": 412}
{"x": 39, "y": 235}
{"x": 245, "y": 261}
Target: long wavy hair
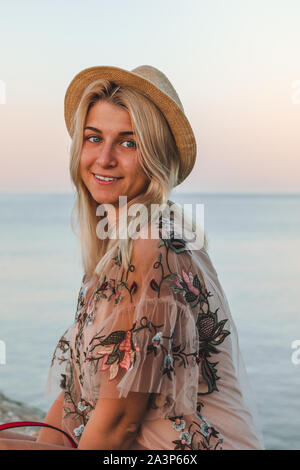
{"x": 157, "y": 154}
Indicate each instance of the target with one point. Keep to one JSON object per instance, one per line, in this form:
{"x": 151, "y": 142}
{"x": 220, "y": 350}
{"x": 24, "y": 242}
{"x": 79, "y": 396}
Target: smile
{"x": 104, "y": 179}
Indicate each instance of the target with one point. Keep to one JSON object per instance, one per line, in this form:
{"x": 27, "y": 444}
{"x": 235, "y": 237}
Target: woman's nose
{"x": 106, "y": 155}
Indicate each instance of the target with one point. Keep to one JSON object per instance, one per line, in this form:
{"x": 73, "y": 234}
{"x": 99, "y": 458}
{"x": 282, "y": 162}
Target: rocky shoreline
{"x": 11, "y": 410}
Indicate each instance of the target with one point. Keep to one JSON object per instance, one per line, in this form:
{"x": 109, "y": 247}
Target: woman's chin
{"x": 105, "y": 199}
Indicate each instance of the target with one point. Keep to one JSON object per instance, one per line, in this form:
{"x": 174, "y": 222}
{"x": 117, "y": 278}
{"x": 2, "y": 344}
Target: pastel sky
{"x": 235, "y": 65}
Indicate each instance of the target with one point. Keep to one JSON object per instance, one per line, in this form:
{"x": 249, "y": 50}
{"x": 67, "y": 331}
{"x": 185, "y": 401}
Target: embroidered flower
{"x": 126, "y": 346}
{"x": 111, "y": 353}
{"x": 78, "y": 431}
{"x": 205, "y": 429}
{"x": 185, "y": 437}
{"x": 187, "y": 280}
{"x": 81, "y": 407}
{"x": 179, "y": 424}
{"x": 189, "y": 438}
{"x": 156, "y": 340}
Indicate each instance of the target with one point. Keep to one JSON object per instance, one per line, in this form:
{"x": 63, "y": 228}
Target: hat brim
{"x": 179, "y": 124}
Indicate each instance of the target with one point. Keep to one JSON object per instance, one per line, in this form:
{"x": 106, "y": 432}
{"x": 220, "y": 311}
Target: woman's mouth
{"x": 105, "y": 180}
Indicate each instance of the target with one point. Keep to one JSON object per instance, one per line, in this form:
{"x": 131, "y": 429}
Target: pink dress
{"x": 162, "y": 327}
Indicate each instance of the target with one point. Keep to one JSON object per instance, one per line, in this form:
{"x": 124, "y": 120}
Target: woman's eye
{"x": 130, "y": 142}
{"x": 93, "y": 137}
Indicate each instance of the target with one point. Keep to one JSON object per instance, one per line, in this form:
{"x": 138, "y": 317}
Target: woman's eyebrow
{"x": 100, "y": 132}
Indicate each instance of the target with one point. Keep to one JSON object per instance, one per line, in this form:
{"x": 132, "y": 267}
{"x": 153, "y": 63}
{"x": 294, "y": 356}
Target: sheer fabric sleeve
{"x": 147, "y": 343}
{"x": 60, "y": 368}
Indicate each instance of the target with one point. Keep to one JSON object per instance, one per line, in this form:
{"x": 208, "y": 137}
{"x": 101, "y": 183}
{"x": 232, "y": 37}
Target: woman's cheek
{"x": 85, "y": 160}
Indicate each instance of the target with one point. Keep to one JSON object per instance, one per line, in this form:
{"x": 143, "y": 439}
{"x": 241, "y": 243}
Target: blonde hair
{"x": 157, "y": 155}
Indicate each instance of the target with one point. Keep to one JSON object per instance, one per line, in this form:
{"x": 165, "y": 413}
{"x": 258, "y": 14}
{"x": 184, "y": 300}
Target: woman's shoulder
{"x": 173, "y": 240}
{"x": 160, "y": 262}
{"x": 156, "y": 248}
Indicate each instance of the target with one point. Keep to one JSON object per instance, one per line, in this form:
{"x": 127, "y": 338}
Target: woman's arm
{"x": 53, "y": 417}
{"x": 113, "y": 425}
{"x": 115, "y": 422}
{"x": 16, "y": 435}
{"x": 15, "y": 444}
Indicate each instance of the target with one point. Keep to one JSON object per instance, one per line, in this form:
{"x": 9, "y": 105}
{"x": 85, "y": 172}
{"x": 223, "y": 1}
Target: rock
{"x": 11, "y": 410}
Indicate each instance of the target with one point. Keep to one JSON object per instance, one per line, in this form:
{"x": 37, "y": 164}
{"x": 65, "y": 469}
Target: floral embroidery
{"x": 115, "y": 286}
{"x": 117, "y": 350}
{"x": 166, "y": 227}
{"x": 120, "y": 348}
{"x": 78, "y": 409}
{"x": 211, "y": 331}
{"x": 86, "y": 308}
{"x": 81, "y": 301}
{"x": 81, "y": 407}
{"x": 171, "y": 243}
{"x": 156, "y": 340}
{"x": 64, "y": 347}
{"x": 179, "y": 424}
{"x": 78, "y": 431}
{"x": 187, "y": 438}
{"x": 186, "y": 280}
{"x": 105, "y": 289}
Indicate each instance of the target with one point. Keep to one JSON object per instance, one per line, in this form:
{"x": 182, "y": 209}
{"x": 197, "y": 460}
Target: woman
{"x": 152, "y": 359}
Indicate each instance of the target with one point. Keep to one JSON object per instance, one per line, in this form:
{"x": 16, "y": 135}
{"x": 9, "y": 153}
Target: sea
{"x": 254, "y": 244}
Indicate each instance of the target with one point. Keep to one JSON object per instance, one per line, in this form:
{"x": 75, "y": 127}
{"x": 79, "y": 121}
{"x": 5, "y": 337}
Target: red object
{"x": 18, "y": 424}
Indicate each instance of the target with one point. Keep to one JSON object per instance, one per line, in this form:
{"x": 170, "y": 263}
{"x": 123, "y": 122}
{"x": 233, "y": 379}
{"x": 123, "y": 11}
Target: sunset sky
{"x": 235, "y": 65}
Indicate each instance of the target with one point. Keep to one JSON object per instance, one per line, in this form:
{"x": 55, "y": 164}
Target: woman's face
{"x": 109, "y": 150}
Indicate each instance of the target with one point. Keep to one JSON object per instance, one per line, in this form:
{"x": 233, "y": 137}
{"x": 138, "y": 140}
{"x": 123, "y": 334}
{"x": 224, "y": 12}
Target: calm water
{"x": 254, "y": 243}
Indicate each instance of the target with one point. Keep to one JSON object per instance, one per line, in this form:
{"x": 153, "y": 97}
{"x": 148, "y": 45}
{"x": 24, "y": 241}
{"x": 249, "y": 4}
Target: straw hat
{"x": 153, "y": 83}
